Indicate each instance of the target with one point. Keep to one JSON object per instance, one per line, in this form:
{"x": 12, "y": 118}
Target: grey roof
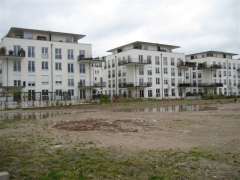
{"x": 149, "y": 43}
{"x": 218, "y": 52}
{"x": 16, "y": 29}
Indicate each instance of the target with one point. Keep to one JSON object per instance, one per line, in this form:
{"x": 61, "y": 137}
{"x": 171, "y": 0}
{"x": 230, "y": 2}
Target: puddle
{"x": 173, "y": 108}
{"x": 29, "y": 115}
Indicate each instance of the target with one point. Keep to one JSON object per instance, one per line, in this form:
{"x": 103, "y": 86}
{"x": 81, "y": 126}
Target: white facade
{"x": 146, "y": 70}
{"x": 215, "y": 72}
{"x": 53, "y": 65}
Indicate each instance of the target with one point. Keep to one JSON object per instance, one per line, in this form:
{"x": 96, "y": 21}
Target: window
{"x": 165, "y": 70}
{"x": 173, "y": 92}
{"x": 140, "y": 58}
{"x": 58, "y": 92}
{"x": 199, "y": 75}
{"x": 172, "y": 72}
{"x": 157, "y": 62}
{"x": 141, "y": 71}
{"x": 157, "y": 80}
{"x": 31, "y": 51}
{"x": 149, "y": 59}
{"x": 158, "y": 93}
{"x": 149, "y": 93}
{"x": 58, "y": 53}
{"x": 16, "y": 50}
{"x": 58, "y": 66}
{"x": 82, "y": 53}
{"x": 31, "y": 66}
{"x": 70, "y": 68}
{"x": 17, "y": 83}
{"x": 17, "y": 66}
{"x": 165, "y": 61}
{"x": 31, "y": 84}
{"x": 173, "y": 82}
{"x": 165, "y": 81}
{"x": 82, "y": 94}
{"x": 58, "y": 82}
{"x": 70, "y": 54}
{"x": 141, "y": 81}
{"x": 179, "y": 73}
{"x": 82, "y": 68}
{"x": 71, "y": 92}
{"x": 194, "y": 75}
{"x": 44, "y": 52}
{"x": 44, "y": 65}
{"x": 157, "y": 70}
{"x": 70, "y": 82}
{"x": 149, "y": 72}
{"x": 166, "y": 92}
{"x": 172, "y": 62}
{"x": 113, "y": 73}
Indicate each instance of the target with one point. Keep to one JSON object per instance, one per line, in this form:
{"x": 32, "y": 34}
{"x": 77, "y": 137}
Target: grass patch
{"x": 36, "y": 158}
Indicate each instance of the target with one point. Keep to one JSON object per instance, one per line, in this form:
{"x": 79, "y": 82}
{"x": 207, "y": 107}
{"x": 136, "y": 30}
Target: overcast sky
{"x": 194, "y": 25}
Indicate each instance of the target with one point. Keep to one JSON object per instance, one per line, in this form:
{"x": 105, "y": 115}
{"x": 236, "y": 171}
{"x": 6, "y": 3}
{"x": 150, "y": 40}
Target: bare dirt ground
{"x": 137, "y": 140}
{"x": 132, "y": 128}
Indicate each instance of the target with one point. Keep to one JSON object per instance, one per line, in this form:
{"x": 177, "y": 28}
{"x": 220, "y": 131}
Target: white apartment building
{"x": 144, "y": 70}
{"x": 45, "y": 65}
{"x": 213, "y": 72}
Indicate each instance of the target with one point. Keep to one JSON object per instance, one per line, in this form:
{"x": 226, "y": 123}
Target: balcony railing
{"x": 204, "y": 65}
{"x": 186, "y": 64}
{"x": 182, "y": 85}
{"x": 4, "y": 54}
{"x": 133, "y": 62}
{"x": 82, "y": 59}
{"x": 92, "y": 85}
{"x": 132, "y": 85}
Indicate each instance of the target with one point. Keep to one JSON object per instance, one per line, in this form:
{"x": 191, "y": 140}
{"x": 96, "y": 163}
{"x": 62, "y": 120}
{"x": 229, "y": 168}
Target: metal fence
{"x": 39, "y": 99}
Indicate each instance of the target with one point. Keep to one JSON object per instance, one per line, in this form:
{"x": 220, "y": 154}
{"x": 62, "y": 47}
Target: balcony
{"x": 135, "y": 85}
{"x": 83, "y": 59}
{"x": 204, "y": 66}
{"x": 133, "y": 62}
{"x": 186, "y": 64}
{"x": 11, "y": 55}
{"x": 204, "y": 85}
{"x": 91, "y": 85}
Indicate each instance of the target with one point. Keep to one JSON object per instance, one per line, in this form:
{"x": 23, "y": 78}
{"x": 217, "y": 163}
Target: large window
{"x": 16, "y": 50}
{"x": 31, "y": 51}
{"x": 70, "y": 82}
{"x": 157, "y": 62}
{"x": 70, "y": 68}
{"x": 70, "y": 54}
{"x": 44, "y": 65}
{"x": 149, "y": 93}
{"x": 58, "y": 66}
{"x": 82, "y": 68}
{"x": 45, "y": 52}
{"x": 158, "y": 93}
{"x": 157, "y": 80}
{"x": 58, "y": 53}
{"x": 17, "y": 66}
{"x": 31, "y": 66}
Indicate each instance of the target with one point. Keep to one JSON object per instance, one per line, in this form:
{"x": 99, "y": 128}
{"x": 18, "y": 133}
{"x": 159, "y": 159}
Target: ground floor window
{"x": 166, "y": 92}
{"x": 141, "y": 93}
{"x": 71, "y": 92}
{"x": 173, "y": 92}
{"x": 158, "y": 93}
{"x": 45, "y": 94}
{"x": 149, "y": 93}
{"x": 82, "y": 94}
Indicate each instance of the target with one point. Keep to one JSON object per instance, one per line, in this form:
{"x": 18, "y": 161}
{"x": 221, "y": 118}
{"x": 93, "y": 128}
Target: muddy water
{"x": 29, "y": 115}
{"x": 173, "y": 108}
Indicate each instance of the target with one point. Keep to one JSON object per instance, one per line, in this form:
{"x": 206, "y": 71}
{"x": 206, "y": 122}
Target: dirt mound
{"x": 100, "y": 125}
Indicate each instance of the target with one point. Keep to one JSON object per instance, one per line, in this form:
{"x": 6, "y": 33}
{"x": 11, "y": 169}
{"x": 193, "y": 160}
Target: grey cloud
{"x": 194, "y": 25}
